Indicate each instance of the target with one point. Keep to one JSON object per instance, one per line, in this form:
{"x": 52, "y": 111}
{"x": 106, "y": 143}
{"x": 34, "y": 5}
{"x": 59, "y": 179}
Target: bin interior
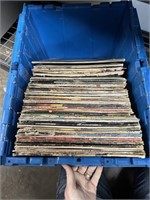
{"x": 73, "y": 32}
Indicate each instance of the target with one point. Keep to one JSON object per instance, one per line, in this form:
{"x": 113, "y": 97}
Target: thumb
{"x": 70, "y": 176}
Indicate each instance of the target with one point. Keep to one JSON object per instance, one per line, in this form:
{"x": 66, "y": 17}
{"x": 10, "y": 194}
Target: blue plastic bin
{"x": 76, "y": 31}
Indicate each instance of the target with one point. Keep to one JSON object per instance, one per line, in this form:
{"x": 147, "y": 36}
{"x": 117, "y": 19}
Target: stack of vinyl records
{"x": 78, "y": 108}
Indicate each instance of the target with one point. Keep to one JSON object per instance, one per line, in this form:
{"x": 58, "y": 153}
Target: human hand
{"x": 82, "y": 182}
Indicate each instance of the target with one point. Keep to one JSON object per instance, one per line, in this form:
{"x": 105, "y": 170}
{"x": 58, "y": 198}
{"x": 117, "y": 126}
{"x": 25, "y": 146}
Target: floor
{"x": 31, "y": 182}
{"x": 28, "y": 182}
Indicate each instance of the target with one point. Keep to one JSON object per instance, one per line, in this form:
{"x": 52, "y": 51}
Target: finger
{"x": 90, "y": 171}
{"x": 75, "y": 168}
{"x": 82, "y": 170}
{"x": 96, "y": 176}
{"x": 70, "y": 176}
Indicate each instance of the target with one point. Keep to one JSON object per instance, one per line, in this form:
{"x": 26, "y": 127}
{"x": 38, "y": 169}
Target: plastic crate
{"x": 76, "y": 31}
